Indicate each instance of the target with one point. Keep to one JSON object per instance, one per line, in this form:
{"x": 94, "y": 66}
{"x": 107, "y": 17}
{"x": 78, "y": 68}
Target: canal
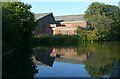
{"x": 86, "y": 60}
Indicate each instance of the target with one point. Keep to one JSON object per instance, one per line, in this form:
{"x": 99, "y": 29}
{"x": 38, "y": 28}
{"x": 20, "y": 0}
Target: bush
{"x": 56, "y": 40}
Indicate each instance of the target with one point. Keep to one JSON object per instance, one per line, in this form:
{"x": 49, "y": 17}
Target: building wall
{"x": 47, "y": 25}
{"x": 65, "y": 30}
{"x": 43, "y": 24}
{"x": 69, "y": 28}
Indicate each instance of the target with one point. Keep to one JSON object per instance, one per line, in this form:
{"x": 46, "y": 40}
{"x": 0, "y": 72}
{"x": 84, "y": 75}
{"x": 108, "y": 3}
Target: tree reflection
{"x": 101, "y": 58}
{"x": 19, "y": 64}
{"x": 99, "y": 71}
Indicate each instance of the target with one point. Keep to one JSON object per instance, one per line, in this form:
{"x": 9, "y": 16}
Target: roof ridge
{"x": 43, "y": 13}
{"x": 70, "y": 15}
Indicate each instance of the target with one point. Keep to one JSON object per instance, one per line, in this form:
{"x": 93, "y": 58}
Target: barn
{"x": 67, "y": 24}
{"x": 43, "y": 22}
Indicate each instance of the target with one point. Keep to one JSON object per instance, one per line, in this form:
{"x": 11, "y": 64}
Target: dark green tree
{"x": 105, "y": 19}
{"x": 18, "y": 24}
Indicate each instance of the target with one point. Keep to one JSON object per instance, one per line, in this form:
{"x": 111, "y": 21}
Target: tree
{"x": 105, "y": 19}
{"x": 18, "y": 24}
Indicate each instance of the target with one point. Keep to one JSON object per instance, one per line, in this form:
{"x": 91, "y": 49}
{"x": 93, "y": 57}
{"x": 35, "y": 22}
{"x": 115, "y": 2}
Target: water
{"x": 90, "y": 60}
{"x": 86, "y": 60}
{"x": 67, "y": 70}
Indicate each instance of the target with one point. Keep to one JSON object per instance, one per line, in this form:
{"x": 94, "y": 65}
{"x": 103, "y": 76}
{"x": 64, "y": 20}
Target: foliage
{"x": 105, "y": 19}
{"x": 87, "y": 35}
{"x": 57, "y": 40}
{"x": 18, "y": 24}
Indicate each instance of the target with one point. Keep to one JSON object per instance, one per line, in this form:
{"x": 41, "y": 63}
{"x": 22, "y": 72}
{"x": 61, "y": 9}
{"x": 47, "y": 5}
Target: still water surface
{"x": 87, "y": 60}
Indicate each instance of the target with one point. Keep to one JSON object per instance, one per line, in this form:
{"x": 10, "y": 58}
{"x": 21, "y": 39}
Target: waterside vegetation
{"x": 103, "y": 25}
{"x": 56, "y": 40}
{"x": 18, "y": 24}
{"x": 103, "y": 22}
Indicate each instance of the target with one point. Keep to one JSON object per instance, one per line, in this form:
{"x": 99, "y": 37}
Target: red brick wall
{"x": 70, "y": 28}
{"x": 64, "y": 30}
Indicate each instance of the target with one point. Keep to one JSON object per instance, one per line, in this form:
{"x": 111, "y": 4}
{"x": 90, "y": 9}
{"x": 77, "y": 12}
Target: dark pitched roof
{"x": 69, "y": 18}
{"x": 41, "y": 15}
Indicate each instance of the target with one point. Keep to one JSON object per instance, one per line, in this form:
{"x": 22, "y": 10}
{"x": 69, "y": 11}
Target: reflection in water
{"x": 99, "y": 59}
{"x": 19, "y": 65}
{"x": 43, "y": 55}
{"x": 61, "y": 69}
{"x": 48, "y": 55}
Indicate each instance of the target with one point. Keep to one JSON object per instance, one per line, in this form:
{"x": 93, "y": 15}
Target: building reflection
{"x": 47, "y": 56}
{"x": 43, "y": 55}
{"x": 99, "y": 59}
